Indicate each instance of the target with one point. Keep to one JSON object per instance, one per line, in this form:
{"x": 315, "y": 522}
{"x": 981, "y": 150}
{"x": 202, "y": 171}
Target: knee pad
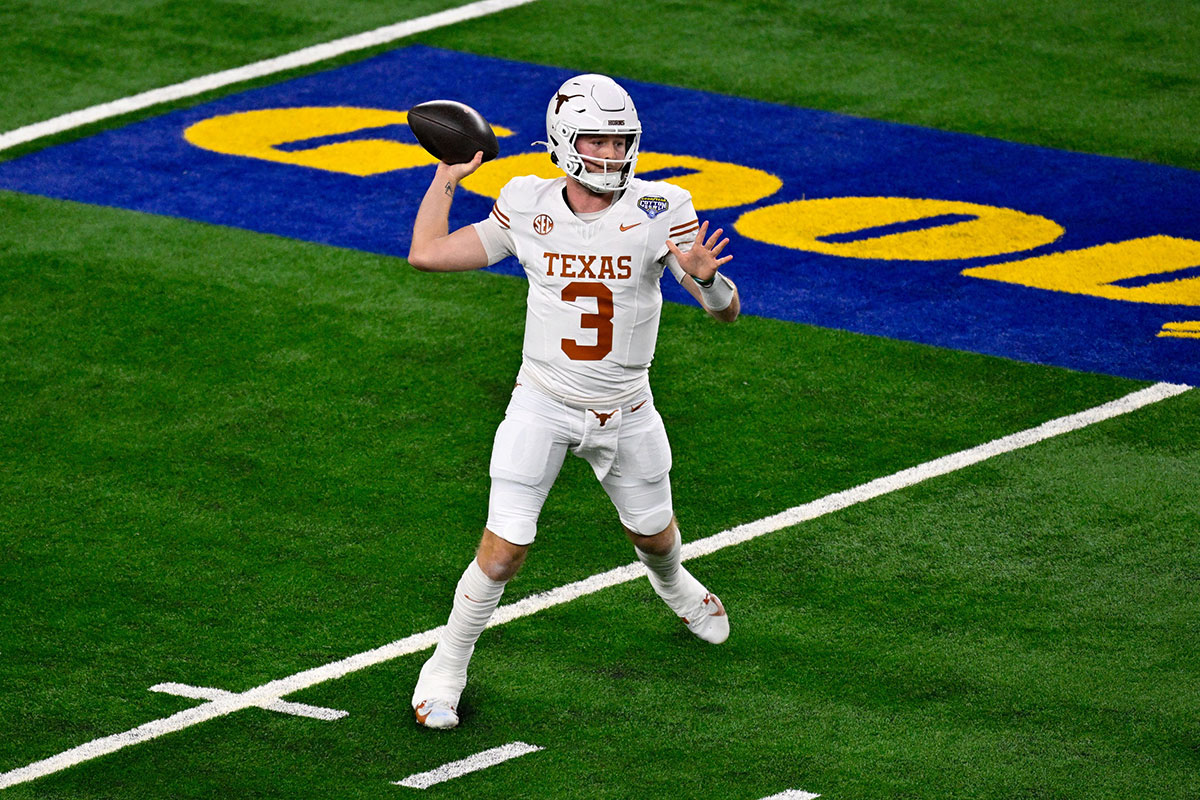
{"x": 645, "y": 507}
{"x": 518, "y": 531}
{"x": 648, "y": 522}
{"x": 513, "y": 510}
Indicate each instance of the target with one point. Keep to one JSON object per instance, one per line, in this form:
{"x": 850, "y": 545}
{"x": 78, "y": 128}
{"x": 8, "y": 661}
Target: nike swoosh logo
{"x": 639, "y": 405}
{"x": 627, "y": 227}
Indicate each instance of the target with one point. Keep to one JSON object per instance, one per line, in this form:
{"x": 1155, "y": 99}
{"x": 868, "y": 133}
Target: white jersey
{"x": 591, "y": 322}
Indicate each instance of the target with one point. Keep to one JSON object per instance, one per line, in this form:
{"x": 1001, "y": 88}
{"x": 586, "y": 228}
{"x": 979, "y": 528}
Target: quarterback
{"x": 594, "y": 244}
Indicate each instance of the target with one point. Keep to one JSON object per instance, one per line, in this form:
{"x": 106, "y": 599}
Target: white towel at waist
{"x": 599, "y": 443}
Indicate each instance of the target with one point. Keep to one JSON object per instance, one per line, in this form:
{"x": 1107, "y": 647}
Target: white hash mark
{"x": 488, "y": 758}
{"x": 282, "y": 706}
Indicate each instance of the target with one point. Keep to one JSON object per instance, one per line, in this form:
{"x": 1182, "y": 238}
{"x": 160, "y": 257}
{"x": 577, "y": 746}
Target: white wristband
{"x": 718, "y": 296}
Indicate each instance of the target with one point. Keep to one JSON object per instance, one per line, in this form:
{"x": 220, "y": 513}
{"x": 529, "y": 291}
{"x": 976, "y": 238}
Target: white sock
{"x": 671, "y": 580}
{"x": 445, "y": 673}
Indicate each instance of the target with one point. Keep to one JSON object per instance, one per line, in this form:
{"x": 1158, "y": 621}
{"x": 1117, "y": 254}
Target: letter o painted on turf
{"x": 713, "y": 184}
{"x": 265, "y": 133}
{"x": 897, "y": 228}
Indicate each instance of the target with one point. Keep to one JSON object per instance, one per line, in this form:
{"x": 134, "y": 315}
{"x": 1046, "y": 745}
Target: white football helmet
{"x": 592, "y": 104}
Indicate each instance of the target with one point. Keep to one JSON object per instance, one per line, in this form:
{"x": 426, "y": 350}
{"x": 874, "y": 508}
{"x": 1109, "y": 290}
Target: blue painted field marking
{"x": 1107, "y": 208}
{"x": 877, "y": 231}
{"x": 397, "y": 133}
{"x": 664, "y": 174}
{"x": 1159, "y": 277}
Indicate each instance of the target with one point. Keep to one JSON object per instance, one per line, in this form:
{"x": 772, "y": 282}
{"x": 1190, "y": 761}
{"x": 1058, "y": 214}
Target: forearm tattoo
{"x": 449, "y": 189}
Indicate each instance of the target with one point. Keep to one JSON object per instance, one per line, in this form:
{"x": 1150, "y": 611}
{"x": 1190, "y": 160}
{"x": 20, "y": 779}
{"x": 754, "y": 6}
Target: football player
{"x": 594, "y": 244}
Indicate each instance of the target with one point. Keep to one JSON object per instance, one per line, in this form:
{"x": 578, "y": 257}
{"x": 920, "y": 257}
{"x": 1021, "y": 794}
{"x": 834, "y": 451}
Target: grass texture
{"x": 236, "y": 459}
{"x": 227, "y": 457}
{"x": 1115, "y": 79}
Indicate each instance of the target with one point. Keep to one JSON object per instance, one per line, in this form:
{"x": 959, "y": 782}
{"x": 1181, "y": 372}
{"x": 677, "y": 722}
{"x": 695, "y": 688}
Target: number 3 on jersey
{"x": 601, "y": 321}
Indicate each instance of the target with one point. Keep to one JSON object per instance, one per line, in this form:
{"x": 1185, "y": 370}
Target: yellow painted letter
{"x": 897, "y": 228}
{"x": 1094, "y": 270}
{"x": 260, "y": 134}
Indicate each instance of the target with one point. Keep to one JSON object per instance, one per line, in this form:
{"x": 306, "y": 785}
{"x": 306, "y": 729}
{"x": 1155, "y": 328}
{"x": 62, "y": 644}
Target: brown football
{"x": 452, "y": 132}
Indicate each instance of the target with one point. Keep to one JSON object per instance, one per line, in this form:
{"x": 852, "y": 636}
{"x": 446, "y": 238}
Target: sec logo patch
{"x": 543, "y": 224}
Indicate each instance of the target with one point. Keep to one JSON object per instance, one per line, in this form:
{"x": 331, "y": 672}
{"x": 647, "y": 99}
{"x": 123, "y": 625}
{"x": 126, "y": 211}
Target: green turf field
{"x": 230, "y": 457}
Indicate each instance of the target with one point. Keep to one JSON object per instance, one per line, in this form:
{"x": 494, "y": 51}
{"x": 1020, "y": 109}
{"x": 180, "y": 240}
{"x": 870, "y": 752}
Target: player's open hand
{"x": 704, "y": 259}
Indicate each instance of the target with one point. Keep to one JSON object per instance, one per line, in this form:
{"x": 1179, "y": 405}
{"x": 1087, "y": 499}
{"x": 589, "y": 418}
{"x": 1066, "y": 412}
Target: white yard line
{"x": 488, "y": 758}
{"x": 264, "y": 696}
{"x": 299, "y": 58}
{"x": 931, "y": 469}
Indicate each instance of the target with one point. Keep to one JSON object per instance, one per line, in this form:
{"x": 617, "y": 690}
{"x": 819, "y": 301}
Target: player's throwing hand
{"x": 456, "y": 172}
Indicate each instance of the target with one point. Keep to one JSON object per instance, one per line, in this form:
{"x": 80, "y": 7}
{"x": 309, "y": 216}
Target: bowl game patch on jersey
{"x": 953, "y": 240}
{"x": 653, "y": 205}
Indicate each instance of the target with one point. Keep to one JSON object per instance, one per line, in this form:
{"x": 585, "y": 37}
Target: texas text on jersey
{"x": 594, "y": 283}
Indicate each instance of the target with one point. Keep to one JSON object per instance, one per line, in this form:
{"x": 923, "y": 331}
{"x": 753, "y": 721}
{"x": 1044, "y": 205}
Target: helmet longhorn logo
{"x": 562, "y": 98}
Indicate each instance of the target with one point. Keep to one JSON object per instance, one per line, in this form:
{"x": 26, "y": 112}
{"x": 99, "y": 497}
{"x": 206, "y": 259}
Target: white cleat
{"x": 711, "y": 624}
{"x": 438, "y": 714}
